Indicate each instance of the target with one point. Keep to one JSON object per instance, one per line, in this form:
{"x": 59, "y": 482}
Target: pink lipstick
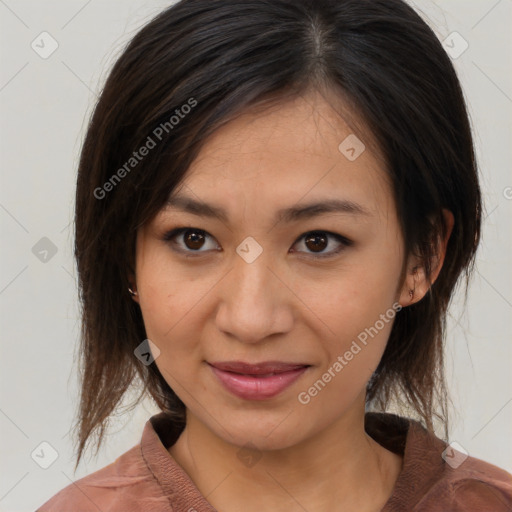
{"x": 258, "y": 381}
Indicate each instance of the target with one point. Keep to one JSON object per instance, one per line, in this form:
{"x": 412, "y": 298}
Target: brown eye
{"x": 193, "y": 242}
{"x": 316, "y": 242}
{"x": 189, "y": 240}
{"x": 193, "y": 239}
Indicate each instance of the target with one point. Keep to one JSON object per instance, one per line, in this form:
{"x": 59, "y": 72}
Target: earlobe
{"x": 132, "y": 289}
{"x": 134, "y": 294}
{"x": 416, "y": 284}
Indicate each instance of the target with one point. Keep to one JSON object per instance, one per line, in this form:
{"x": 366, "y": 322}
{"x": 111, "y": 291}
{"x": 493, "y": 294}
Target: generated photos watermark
{"x": 304, "y": 397}
{"x": 137, "y": 156}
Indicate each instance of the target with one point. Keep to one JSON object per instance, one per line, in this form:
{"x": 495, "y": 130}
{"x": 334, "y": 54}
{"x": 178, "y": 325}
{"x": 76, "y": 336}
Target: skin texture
{"x": 286, "y": 305}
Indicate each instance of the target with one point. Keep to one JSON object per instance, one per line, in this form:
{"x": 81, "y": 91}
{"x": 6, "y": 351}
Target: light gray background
{"x": 44, "y": 106}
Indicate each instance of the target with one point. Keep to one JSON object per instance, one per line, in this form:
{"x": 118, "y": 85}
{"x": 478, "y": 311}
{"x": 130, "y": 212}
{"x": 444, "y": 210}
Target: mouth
{"x": 259, "y": 381}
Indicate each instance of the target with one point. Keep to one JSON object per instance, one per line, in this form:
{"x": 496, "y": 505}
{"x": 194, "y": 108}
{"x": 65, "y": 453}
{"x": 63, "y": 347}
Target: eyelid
{"x": 344, "y": 244}
{"x": 169, "y": 235}
{"x": 344, "y": 241}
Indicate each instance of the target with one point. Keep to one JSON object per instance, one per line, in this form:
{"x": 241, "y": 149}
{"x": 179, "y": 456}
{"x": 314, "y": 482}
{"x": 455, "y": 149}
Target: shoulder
{"x": 435, "y": 476}
{"x": 474, "y": 485}
{"x": 448, "y": 478}
{"x": 124, "y": 485}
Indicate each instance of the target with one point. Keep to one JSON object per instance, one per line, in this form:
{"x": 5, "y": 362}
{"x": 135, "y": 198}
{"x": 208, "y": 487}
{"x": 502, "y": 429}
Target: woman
{"x": 275, "y": 202}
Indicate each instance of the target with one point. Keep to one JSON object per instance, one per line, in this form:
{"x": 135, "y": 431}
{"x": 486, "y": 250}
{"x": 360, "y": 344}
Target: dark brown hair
{"x": 221, "y": 57}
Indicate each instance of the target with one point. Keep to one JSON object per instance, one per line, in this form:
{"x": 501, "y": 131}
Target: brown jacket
{"x": 146, "y": 477}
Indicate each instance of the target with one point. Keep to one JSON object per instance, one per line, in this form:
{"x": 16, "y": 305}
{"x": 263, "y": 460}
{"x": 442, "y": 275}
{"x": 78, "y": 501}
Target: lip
{"x": 258, "y": 381}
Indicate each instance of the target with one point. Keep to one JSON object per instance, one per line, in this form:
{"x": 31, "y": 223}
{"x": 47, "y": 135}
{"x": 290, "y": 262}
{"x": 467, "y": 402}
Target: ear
{"x": 416, "y": 285}
{"x": 133, "y": 288}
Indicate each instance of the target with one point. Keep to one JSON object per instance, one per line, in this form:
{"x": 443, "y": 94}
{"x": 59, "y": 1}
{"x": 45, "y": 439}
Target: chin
{"x": 264, "y": 431}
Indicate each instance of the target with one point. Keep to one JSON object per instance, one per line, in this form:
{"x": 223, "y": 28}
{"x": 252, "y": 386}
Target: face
{"x": 314, "y": 293}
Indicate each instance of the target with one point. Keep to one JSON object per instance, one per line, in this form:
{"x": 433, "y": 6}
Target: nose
{"x": 255, "y": 301}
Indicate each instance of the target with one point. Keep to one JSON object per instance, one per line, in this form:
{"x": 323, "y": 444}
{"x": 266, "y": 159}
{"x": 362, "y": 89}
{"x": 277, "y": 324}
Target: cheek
{"x": 166, "y": 293}
{"x": 351, "y": 298}
{"x": 168, "y": 319}
{"x": 172, "y": 298}
{"x": 167, "y": 310}
{"x": 353, "y": 358}
{"x": 358, "y": 306}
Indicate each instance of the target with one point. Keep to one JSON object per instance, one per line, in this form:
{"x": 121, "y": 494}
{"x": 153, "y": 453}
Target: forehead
{"x": 295, "y": 151}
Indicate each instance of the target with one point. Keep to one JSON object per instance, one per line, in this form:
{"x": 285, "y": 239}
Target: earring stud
{"x": 132, "y": 293}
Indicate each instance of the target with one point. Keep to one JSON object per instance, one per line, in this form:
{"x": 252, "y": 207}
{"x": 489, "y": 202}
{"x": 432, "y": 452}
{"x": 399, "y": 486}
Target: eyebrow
{"x": 290, "y": 214}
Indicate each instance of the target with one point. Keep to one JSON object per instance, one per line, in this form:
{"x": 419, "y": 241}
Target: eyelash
{"x": 345, "y": 242}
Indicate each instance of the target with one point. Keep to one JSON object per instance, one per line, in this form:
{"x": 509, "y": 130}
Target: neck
{"x": 331, "y": 471}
